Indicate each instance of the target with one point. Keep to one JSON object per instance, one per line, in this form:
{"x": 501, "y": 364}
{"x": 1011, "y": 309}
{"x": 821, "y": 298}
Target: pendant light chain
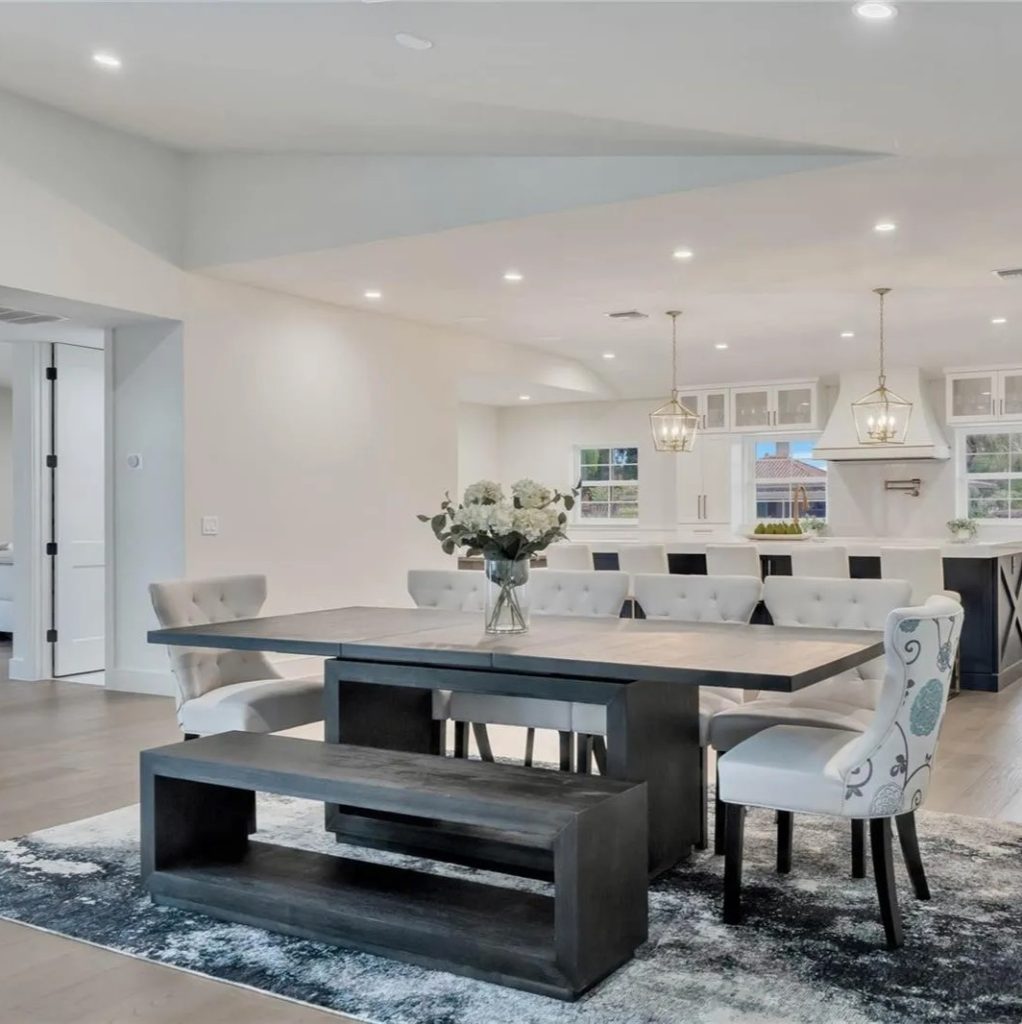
{"x": 674, "y": 353}
{"x": 882, "y": 292}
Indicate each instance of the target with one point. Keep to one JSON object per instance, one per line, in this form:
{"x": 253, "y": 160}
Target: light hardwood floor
{"x": 69, "y": 750}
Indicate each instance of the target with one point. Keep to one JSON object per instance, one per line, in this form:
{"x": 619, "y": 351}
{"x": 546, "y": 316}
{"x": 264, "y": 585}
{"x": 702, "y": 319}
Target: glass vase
{"x": 507, "y": 595}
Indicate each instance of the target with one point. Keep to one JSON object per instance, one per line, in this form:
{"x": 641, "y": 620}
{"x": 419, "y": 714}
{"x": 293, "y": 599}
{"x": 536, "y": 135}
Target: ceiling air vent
{"x": 23, "y": 316}
{"x": 1010, "y": 275}
{"x": 628, "y": 314}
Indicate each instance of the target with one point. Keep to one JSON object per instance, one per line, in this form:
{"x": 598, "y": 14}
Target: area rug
{"x": 810, "y": 951}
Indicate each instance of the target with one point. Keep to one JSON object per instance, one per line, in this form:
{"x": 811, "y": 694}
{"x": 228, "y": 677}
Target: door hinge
{"x": 51, "y": 373}
{"x": 51, "y": 636}
{"x": 51, "y": 461}
{"x": 51, "y": 547}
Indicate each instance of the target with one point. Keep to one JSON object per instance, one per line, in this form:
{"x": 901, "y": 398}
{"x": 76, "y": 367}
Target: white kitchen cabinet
{"x": 760, "y": 408}
{"x": 711, "y": 406}
{"x": 984, "y": 396}
{"x": 704, "y": 482}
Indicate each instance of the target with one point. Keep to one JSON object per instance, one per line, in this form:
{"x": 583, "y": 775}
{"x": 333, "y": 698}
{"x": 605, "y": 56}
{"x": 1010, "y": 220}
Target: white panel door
{"x": 688, "y": 468}
{"x": 716, "y": 460}
{"x": 78, "y": 497}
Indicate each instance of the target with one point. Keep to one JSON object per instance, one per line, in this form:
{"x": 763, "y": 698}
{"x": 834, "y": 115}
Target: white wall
{"x": 316, "y": 435}
{"x": 6, "y": 465}
{"x": 538, "y": 442}
{"x": 478, "y": 444}
{"x": 145, "y": 524}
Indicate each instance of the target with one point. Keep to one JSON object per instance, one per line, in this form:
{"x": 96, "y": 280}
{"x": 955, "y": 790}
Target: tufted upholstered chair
{"x": 922, "y": 567}
{"x": 845, "y": 701}
{"x": 552, "y": 592}
{"x": 687, "y": 599}
{"x": 733, "y": 560}
{"x": 458, "y": 590}
{"x": 221, "y": 691}
{"x": 819, "y": 560}
{"x": 635, "y": 559}
{"x": 569, "y": 556}
{"x": 878, "y": 774}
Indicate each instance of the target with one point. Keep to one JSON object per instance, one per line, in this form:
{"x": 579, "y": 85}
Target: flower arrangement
{"x": 489, "y": 523}
{"x": 506, "y": 532}
{"x": 962, "y": 528}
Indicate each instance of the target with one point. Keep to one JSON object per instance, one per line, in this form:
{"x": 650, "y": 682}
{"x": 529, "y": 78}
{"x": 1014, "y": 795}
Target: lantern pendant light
{"x": 881, "y": 417}
{"x": 674, "y": 427}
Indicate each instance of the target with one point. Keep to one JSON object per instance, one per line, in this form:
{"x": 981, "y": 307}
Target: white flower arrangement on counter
{"x": 489, "y": 523}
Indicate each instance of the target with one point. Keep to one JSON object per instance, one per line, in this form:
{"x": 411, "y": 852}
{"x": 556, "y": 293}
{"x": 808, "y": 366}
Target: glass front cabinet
{"x": 755, "y": 409}
{"x": 984, "y": 396}
{"x": 711, "y": 406}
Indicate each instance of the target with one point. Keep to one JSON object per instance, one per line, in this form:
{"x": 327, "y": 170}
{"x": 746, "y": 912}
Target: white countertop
{"x": 863, "y": 547}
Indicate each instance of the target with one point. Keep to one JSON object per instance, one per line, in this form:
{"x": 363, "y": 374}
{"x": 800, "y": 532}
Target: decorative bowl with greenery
{"x": 962, "y": 529}
{"x": 507, "y": 532}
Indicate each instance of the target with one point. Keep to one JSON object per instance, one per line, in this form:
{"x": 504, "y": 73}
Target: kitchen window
{"x": 610, "y": 484}
{"x": 779, "y": 469}
{"x": 990, "y": 474}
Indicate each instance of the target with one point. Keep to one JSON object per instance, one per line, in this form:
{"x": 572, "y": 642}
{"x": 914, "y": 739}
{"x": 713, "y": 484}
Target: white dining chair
{"x": 636, "y": 559}
{"x": 922, "y": 567}
{"x": 679, "y": 598}
{"x": 844, "y": 702}
{"x": 225, "y": 691}
{"x": 567, "y": 555}
{"x": 879, "y": 774}
{"x": 820, "y": 561}
{"x": 733, "y": 560}
{"x": 551, "y": 592}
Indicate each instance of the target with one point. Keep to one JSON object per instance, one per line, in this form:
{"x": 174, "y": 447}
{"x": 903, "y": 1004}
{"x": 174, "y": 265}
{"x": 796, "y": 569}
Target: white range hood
{"x": 840, "y": 443}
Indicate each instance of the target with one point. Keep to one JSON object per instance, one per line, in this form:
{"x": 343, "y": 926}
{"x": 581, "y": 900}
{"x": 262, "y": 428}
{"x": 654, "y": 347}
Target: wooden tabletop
{"x": 715, "y": 654}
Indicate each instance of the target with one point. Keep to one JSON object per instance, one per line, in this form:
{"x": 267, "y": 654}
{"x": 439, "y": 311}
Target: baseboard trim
{"x": 129, "y": 680}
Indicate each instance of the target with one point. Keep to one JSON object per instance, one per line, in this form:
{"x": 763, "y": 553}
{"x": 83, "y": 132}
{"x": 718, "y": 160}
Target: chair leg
{"x": 910, "y": 851}
{"x": 600, "y": 753}
{"x": 719, "y": 825}
{"x": 703, "y": 843}
{"x": 584, "y": 755}
{"x": 565, "y": 741}
{"x": 530, "y": 746}
{"x": 461, "y": 739}
{"x": 883, "y": 871}
{"x": 858, "y": 848}
{"x": 785, "y": 828}
{"x": 735, "y": 836}
{"x": 482, "y": 740}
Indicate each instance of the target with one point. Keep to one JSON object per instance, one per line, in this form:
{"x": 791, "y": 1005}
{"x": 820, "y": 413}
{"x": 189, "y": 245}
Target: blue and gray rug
{"x": 810, "y": 951}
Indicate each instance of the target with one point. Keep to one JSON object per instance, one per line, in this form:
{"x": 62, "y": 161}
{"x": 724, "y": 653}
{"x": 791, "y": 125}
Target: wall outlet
{"x": 210, "y": 526}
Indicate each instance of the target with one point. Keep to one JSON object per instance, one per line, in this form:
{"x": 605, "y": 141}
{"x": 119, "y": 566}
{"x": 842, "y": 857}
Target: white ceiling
{"x": 782, "y": 265}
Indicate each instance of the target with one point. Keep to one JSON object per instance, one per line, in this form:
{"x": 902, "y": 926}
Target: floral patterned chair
{"x": 878, "y": 775}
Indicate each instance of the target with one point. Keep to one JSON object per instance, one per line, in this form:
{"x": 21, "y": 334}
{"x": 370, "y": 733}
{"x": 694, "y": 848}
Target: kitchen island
{"x": 987, "y": 574}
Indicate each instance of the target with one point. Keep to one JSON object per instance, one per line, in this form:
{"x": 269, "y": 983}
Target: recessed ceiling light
{"x": 848, "y": 334}
{"x": 998, "y": 319}
{"x": 874, "y": 10}
{"x": 721, "y": 345}
{"x": 513, "y": 275}
{"x": 107, "y": 60}
{"x": 373, "y": 294}
{"x": 885, "y": 226}
{"x": 609, "y": 355}
{"x": 524, "y": 398}
{"x": 410, "y": 42}
{"x": 683, "y": 254}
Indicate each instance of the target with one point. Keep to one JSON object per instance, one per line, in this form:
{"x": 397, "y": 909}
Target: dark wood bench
{"x": 198, "y": 808}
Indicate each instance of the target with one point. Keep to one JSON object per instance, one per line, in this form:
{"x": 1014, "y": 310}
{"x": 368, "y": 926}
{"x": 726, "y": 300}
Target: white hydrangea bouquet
{"x": 507, "y": 532}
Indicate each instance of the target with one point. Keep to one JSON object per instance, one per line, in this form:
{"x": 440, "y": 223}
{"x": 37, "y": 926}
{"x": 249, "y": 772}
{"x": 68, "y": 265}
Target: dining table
{"x": 383, "y": 665}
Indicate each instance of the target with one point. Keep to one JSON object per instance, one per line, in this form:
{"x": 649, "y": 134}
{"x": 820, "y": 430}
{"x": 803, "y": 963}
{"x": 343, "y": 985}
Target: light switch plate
{"x": 210, "y": 526}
